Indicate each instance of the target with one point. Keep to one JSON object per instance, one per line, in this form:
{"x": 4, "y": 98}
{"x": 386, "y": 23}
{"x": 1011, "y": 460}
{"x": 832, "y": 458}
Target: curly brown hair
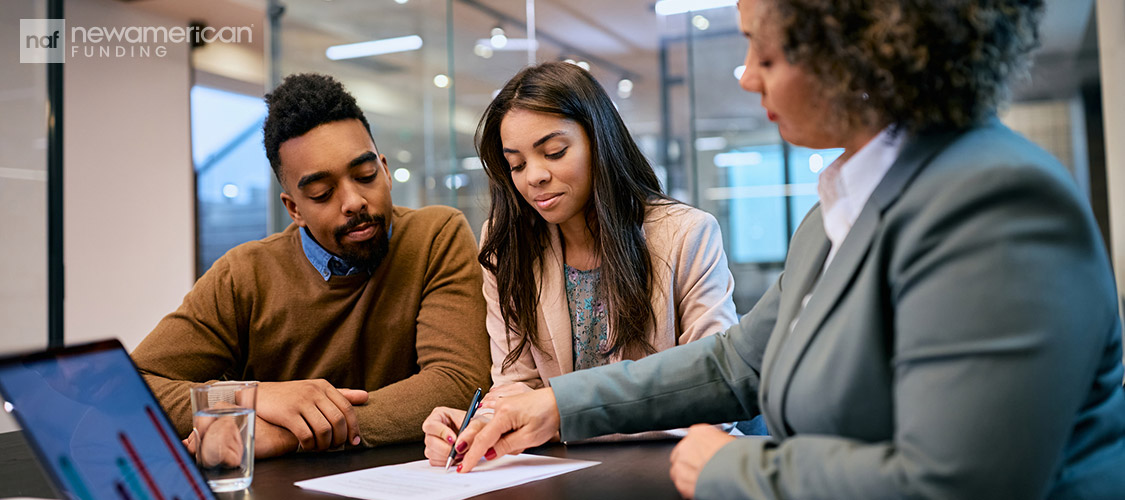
{"x": 919, "y": 64}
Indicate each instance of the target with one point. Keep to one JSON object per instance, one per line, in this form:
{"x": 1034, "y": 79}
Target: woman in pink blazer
{"x": 586, "y": 261}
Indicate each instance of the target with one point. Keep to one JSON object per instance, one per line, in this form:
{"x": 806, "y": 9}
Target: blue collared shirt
{"x": 326, "y": 264}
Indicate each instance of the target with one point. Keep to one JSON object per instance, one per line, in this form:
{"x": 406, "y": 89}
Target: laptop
{"x": 95, "y": 426}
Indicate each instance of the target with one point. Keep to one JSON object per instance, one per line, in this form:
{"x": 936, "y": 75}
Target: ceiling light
{"x": 456, "y": 181}
{"x": 402, "y": 174}
{"x": 669, "y": 7}
{"x": 230, "y": 191}
{"x": 374, "y": 47}
{"x": 738, "y": 71}
{"x": 498, "y": 40}
{"x": 400, "y": 2}
{"x": 483, "y": 50}
{"x": 441, "y": 81}
{"x": 404, "y": 156}
{"x": 701, "y": 23}
{"x": 816, "y": 163}
{"x": 581, "y": 64}
{"x": 625, "y": 88}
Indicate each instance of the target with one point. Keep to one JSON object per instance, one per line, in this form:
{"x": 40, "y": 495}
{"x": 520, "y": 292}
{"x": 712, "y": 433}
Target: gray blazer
{"x": 963, "y": 343}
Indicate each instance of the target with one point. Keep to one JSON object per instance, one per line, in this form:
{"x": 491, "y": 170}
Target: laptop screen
{"x": 96, "y": 427}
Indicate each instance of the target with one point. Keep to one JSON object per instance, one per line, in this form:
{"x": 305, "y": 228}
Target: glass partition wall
{"x": 671, "y": 77}
{"x": 672, "y": 74}
{"x": 23, "y": 192}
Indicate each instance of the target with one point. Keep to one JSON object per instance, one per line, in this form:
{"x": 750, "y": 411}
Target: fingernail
{"x": 449, "y": 438}
{"x": 355, "y": 441}
{"x": 459, "y": 467}
{"x": 462, "y": 446}
{"x": 480, "y": 404}
{"x": 490, "y": 455}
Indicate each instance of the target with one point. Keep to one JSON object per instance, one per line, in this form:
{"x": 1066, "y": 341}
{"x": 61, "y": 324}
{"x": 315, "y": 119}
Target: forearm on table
{"x": 174, "y": 397}
{"x": 395, "y": 413}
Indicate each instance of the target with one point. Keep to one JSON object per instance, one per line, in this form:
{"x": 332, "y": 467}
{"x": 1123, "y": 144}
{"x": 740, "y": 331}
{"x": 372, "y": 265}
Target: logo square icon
{"x": 42, "y": 40}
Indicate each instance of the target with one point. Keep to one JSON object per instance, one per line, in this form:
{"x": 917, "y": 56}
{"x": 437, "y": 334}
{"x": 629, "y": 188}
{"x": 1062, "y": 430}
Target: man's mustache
{"x": 359, "y": 220}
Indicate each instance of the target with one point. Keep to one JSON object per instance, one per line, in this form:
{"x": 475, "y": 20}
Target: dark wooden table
{"x": 627, "y": 470}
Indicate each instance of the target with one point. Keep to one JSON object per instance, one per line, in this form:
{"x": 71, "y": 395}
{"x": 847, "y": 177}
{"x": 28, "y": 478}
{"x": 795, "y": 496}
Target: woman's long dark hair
{"x": 623, "y": 185}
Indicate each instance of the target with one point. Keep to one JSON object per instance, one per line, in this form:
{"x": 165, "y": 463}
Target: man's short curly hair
{"x": 920, "y": 64}
{"x": 301, "y": 103}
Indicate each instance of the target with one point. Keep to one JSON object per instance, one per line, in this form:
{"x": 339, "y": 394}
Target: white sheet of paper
{"x": 420, "y": 480}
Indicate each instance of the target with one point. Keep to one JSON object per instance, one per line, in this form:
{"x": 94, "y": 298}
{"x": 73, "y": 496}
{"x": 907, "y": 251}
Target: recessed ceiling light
{"x": 402, "y": 174}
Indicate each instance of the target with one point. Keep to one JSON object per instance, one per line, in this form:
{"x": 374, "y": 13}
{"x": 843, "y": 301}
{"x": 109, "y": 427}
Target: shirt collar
{"x": 322, "y": 260}
{"x": 859, "y": 176}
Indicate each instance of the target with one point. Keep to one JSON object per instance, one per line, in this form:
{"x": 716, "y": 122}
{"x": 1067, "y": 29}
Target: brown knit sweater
{"x": 412, "y": 333}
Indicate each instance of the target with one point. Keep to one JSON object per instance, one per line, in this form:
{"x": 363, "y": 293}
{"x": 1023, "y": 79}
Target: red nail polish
{"x": 462, "y": 446}
{"x": 459, "y": 467}
{"x": 450, "y": 439}
{"x": 490, "y": 455}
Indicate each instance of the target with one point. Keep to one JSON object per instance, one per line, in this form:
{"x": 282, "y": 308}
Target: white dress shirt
{"x": 844, "y": 188}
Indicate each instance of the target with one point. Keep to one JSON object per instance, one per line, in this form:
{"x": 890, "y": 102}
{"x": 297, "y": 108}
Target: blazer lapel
{"x": 555, "y": 328}
{"x": 807, "y": 252}
{"x": 835, "y": 280}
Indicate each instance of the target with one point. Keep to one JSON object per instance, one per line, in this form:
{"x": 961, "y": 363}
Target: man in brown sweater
{"x": 358, "y": 319}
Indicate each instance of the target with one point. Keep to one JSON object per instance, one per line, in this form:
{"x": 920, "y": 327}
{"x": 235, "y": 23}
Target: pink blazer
{"x": 691, "y": 296}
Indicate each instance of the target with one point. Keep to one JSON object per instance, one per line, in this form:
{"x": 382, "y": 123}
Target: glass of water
{"x": 223, "y": 428}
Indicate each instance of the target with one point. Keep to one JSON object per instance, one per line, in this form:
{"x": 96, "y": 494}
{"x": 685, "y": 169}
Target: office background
{"x": 163, "y": 168}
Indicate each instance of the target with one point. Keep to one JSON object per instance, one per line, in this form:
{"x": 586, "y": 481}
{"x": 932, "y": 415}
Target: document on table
{"x": 420, "y": 480}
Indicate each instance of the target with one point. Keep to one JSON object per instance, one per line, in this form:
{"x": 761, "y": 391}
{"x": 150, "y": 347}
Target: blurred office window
{"x": 23, "y": 192}
{"x": 23, "y": 189}
{"x": 768, "y": 190}
{"x": 231, "y": 171}
{"x": 673, "y": 78}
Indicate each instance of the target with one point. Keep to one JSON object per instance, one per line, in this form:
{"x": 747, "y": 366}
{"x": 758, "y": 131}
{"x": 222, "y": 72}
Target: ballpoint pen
{"x": 468, "y": 416}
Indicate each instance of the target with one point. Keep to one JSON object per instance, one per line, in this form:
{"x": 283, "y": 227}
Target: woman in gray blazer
{"x": 947, "y": 323}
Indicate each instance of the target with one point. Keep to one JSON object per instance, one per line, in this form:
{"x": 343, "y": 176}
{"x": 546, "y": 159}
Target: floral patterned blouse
{"x": 588, "y": 322}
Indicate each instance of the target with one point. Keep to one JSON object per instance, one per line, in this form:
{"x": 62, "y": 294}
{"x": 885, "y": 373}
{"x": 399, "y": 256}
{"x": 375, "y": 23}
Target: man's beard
{"x": 364, "y": 254}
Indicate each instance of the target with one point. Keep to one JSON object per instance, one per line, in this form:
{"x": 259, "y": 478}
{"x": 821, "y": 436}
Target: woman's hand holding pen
{"x": 441, "y": 433}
